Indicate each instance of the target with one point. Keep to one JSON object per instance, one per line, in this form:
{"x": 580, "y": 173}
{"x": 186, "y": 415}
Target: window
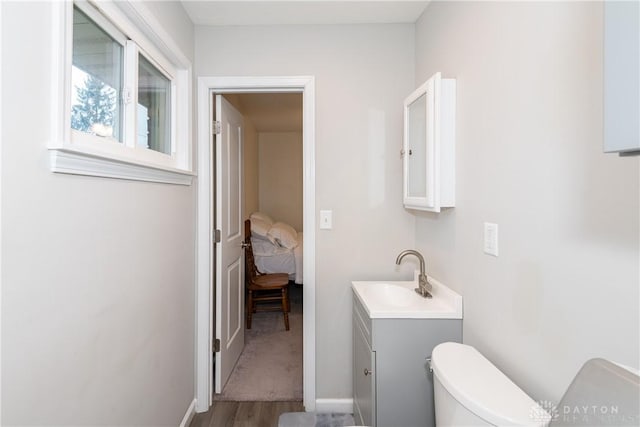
{"x": 154, "y": 106}
{"x": 96, "y": 78}
{"x": 125, "y": 99}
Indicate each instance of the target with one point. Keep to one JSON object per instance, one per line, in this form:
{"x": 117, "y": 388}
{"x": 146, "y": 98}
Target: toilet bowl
{"x": 470, "y": 391}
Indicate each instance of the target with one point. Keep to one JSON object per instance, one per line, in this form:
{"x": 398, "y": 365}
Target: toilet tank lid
{"x": 482, "y": 388}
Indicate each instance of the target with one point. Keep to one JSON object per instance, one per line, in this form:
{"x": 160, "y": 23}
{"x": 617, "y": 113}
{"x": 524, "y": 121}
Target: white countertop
{"x": 398, "y": 300}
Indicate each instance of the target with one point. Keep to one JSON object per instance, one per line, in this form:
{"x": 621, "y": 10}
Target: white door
{"x": 229, "y": 260}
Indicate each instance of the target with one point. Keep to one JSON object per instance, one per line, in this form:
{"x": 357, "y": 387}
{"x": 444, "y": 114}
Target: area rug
{"x": 270, "y": 366}
{"x": 313, "y": 419}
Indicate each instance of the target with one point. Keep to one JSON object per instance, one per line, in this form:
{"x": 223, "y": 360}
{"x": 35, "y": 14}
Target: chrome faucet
{"x": 424, "y": 287}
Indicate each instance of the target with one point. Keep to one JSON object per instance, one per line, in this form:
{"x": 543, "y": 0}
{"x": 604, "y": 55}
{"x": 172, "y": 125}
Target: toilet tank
{"x": 601, "y": 394}
{"x": 449, "y": 411}
{"x": 470, "y": 391}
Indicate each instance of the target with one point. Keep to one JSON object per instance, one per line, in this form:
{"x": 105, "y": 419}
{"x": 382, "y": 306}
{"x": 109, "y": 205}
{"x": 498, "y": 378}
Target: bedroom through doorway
{"x": 270, "y": 367}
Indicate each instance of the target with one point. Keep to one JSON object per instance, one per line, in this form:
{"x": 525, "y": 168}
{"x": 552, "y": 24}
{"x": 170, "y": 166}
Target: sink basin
{"x": 388, "y": 299}
{"x": 394, "y": 295}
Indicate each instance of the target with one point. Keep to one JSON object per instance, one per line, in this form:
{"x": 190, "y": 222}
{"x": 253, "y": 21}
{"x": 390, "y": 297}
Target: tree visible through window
{"x": 95, "y": 108}
{"x": 97, "y": 74}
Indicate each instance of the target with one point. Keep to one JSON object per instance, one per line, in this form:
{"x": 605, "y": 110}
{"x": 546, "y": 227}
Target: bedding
{"x": 261, "y": 216}
{"x": 279, "y": 254}
{"x": 260, "y": 229}
{"x": 283, "y": 234}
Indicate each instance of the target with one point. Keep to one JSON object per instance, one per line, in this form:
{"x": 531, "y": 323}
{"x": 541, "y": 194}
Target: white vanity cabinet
{"x": 392, "y": 386}
{"x": 428, "y": 150}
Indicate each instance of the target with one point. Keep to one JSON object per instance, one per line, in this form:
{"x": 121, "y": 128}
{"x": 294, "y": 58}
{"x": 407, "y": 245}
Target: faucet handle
{"x": 423, "y": 280}
{"x": 423, "y": 292}
{"x": 416, "y": 275}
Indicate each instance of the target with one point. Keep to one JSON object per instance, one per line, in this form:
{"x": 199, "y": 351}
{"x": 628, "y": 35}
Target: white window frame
{"x": 79, "y": 153}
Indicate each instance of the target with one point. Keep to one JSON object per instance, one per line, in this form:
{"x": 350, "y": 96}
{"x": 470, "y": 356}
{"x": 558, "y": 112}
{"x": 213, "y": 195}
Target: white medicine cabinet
{"x": 622, "y": 77}
{"x": 428, "y": 149}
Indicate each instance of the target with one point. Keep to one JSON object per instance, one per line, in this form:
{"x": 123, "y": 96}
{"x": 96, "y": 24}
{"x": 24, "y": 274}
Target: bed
{"x": 277, "y": 247}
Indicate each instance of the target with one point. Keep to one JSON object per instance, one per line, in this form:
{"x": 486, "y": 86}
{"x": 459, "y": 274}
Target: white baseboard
{"x": 188, "y": 416}
{"x": 344, "y": 406}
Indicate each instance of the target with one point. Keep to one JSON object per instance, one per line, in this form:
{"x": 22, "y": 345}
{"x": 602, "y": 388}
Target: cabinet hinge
{"x": 217, "y": 127}
{"x": 216, "y": 236}
{"x": 216, "y": 346}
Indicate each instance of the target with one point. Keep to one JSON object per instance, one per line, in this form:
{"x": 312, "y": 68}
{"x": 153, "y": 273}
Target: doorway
{"x": 205, "y": 304}
{"x": 268, "y": 367}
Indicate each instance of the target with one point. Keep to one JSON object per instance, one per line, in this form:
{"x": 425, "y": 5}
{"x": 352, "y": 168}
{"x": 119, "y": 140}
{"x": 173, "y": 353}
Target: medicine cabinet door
{"x": 418, "y": 148}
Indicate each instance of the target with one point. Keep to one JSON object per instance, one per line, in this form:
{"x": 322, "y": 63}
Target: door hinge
{"x": 216, "y": 346}
{"x": 217, "y": 127}
{"x": 216, "y": 236}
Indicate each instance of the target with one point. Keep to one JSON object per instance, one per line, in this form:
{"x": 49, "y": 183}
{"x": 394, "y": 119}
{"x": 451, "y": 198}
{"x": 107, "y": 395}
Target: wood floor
{"x": 244, "y": 414}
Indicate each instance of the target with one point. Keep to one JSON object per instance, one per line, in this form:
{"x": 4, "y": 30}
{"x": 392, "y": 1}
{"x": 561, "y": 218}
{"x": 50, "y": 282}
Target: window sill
{"x": 79, "y": 163}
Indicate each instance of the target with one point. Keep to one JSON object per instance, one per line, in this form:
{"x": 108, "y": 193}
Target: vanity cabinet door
{"x": 364, "y": 378}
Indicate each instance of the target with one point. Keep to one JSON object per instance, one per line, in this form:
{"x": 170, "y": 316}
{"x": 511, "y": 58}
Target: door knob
{"x": 367, "y": 372}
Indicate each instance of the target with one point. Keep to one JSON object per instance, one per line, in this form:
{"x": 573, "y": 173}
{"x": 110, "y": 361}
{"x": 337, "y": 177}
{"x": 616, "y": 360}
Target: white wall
{"x": 175, "y": 17}
{"x": 363, "y": 73}
{"x": 98, "y": 274}
{"x": 529, "y": 157}
{"x": 280, "y": 176}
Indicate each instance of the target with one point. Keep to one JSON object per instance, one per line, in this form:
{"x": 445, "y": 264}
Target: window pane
{"x": 96, "y": 79}
{"x": 154, "y": 108}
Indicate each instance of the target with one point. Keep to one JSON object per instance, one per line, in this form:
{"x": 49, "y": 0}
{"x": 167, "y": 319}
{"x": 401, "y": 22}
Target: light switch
{"x": 491, "y": 238}
{"x": 325, "y": 220}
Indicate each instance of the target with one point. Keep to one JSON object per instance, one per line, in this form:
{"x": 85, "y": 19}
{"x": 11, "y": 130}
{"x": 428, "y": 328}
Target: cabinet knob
{"x": 367, "y": 372}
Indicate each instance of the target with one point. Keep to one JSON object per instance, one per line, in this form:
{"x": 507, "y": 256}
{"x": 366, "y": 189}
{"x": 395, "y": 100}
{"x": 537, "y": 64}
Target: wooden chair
{"x": 264, "y": 287}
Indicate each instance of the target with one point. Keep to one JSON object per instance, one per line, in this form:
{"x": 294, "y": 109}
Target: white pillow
{"x": 260, "y": 228}
{"x": 284, "y": 235}
{"x": 261, "y": 216}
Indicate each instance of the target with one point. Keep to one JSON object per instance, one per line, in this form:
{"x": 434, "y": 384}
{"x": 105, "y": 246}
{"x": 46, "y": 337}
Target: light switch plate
{"x": 491, "y": 238}
{"x": 326, "y": 222}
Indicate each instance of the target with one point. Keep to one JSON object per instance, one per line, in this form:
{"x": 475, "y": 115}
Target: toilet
{"x": 470, "y": 391}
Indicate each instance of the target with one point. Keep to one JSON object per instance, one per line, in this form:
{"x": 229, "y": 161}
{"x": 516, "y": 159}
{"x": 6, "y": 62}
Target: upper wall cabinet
{"x": 622, "y": 77}
{"x": 428, "y": 149}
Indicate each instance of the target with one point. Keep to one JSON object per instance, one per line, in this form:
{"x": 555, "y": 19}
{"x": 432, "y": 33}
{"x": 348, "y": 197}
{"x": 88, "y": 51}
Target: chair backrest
{"x": 251, "y": 270}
